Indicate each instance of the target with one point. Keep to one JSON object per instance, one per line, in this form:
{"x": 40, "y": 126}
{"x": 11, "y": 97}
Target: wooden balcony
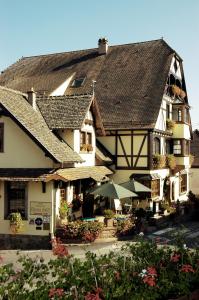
{"x": 181, "y": 131}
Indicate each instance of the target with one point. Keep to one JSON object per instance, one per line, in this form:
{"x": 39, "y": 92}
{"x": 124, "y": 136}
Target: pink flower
{"x": 59, "y": 249}
{"x": 175, "y": 258}
{"x": 55, "y": 292}
{"x": 117, "y": 276}
{"x": 150, "y": 280}
{"x": 94, "y": 296}
{"x": 187, "y": 269}
{"x": 152, "y": 271}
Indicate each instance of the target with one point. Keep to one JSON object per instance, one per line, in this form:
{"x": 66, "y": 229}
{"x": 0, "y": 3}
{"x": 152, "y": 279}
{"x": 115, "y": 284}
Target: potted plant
{"x": 176, "y": 90}
{"x": 182, "y": 94}
{"x": 159, "y": 161}
{"x": 171, "y": 161}
{"x": 170, "y": 124}
{"x": 83, "y": 147}
{"x": 63, "y": 211}
{"x": 16, "y": 222}
{"x": 89, "y": 147}
{"x": 108, "y": 217}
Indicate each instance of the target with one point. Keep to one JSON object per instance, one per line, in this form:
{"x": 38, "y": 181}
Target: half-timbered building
{"x": 140, "y": 108}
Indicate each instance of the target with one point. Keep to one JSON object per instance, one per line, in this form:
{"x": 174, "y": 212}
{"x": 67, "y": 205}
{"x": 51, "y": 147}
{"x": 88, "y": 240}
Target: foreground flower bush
{"x": 141, "y": 270}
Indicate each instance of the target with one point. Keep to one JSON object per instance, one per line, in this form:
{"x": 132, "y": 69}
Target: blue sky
{"x": 47, "y": 26}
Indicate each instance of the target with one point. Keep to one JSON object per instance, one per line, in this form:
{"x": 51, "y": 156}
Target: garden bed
{"x": 141, "y": 270}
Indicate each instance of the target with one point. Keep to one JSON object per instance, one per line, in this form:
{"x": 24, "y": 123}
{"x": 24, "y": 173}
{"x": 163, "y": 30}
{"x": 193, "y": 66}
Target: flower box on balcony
{"x": 159, "y": 161}
{"x": 170, "y": 124}
{"x": 171, "y": 161}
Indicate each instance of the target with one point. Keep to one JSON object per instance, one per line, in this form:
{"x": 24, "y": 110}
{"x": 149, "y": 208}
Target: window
{"x": 16, "y": 198}
{"x": 62, "y": 194}
{"x": 186, "y": 148}
{"x": 168, "y": 111}
{"x": 156, "y": 146}
{"x": 78, "y": 82}
{"x": 86, "y": 141}
{"x": 155, "y": 188}
{"x": 179, "y": 115}
{"x": 183, "y": 183}
{"x": 186, "y": 115}
{"x": 89, "y": 138}
{"x": 1, "y": 137}
{"x": 177, "y": 147}
{"x": 175, "y": 66}
{"x": 169, "y": 147}
{"x": 82, "y": 138}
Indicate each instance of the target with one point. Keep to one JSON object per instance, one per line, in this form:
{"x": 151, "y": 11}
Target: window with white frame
{"x": 177, "y": 147}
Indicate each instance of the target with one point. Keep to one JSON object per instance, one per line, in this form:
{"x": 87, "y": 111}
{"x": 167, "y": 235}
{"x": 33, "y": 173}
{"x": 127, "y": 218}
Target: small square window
{"x": 78, "y": 82}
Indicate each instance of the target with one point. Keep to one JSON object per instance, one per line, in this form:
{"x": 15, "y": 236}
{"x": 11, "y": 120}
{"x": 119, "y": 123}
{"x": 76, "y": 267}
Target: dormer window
{"x": 78, "y": 82}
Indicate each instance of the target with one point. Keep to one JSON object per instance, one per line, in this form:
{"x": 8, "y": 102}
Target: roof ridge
{"x": 66, "y": 96}
{"x": 89, "y": 49}
{"x": 13, "y": 91}
{"x": 4, "y": 70}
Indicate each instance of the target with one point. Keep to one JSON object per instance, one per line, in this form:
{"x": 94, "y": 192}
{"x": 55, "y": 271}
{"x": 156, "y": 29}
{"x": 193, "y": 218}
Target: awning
{"x": 98, "y": 173}
{"x": 24, "y": 174}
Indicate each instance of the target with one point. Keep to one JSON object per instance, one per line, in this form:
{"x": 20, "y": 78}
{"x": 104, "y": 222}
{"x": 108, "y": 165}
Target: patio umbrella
{"x": 135, "y": 186}
{"x": 113, "y": 190}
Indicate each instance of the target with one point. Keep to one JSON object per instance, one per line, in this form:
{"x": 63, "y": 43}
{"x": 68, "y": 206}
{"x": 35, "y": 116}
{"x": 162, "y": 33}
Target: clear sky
{"x": 47, "y": 26}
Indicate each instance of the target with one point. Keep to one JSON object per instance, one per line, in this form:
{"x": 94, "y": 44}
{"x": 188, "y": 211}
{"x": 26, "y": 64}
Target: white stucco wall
{"x": 19, "y": 150}
{"x": 34, "y": 195}
{"x": 62, "y": 88}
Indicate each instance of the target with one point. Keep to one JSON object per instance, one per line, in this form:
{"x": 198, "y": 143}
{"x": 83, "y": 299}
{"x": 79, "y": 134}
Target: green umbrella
{"x": 113, "y": 190}
{"x": 135, "y": 186}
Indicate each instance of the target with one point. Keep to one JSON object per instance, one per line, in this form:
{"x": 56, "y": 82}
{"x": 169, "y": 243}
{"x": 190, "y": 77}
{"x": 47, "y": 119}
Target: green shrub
{"x": 141, "y": 270}
{"x": 109, "y": 214}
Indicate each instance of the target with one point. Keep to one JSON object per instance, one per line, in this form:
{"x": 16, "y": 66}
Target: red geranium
{"x": 187, "y": 269}
{"x": 175, "y": 257}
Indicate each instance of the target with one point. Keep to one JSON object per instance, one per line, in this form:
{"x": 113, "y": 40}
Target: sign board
{"x": 40, "y": 208}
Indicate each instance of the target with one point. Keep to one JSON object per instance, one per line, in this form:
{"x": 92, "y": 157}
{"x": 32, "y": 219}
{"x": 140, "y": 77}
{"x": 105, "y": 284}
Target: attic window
{"x": 78, "y": 82}
{"x": 175, "y": 66}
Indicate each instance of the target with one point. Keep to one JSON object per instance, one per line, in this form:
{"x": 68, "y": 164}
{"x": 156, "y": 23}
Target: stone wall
{"x": 24, "y": 242}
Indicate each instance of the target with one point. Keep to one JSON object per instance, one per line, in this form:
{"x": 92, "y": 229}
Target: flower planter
{"x": 15, "y": 228}
{"x": 108, "y": 222}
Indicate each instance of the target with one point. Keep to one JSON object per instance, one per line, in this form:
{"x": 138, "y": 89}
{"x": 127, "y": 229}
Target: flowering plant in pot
{"x": 16, "y": 222}
{"x": 108, "y": 217}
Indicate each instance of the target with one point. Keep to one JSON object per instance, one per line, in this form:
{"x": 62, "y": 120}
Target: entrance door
{"x": 88, "y": 206}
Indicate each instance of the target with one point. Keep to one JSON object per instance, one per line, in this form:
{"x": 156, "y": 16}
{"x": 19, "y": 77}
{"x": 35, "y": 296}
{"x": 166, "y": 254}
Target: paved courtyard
{"x": 189, "y": 231}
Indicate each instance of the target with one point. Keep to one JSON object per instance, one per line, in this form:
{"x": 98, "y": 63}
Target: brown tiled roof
{"x": 22, "y": 174}
{"x": 96, "y": 172}
{"x": 195, "y": 148}
{"x": 130, "y": 79}
{"x": 18, "y": 107}
{"x": 64, "y": 111}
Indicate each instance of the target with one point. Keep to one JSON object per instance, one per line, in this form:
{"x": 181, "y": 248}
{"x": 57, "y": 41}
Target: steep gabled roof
{"x": 64, "y": 111}
{"x": 16, "y": 104}
{"x": 130, "y": 79}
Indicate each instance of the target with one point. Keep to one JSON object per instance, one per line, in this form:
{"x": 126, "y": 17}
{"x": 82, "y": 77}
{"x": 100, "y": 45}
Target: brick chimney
{"x": 102, "y": 46}
{"x": 32, "y": 98}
